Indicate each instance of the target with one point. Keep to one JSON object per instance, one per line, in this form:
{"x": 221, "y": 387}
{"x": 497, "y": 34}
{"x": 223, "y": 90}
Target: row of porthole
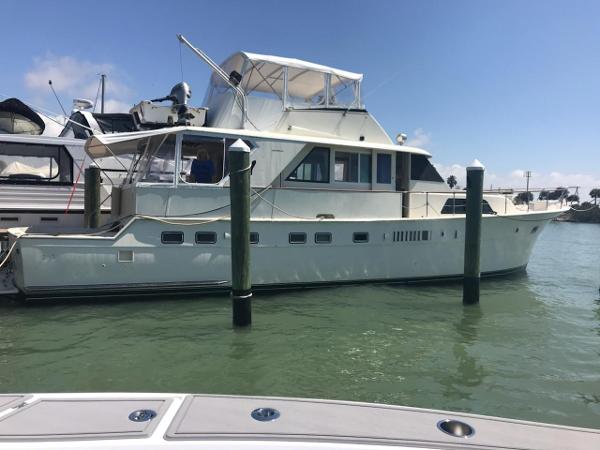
{"x": 201, "y": 237}
{"x": 210, "y": 237}
{"x": 361, "y": 237}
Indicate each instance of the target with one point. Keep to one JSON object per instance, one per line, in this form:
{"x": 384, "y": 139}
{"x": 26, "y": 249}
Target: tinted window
{"x": 459, "y": 206}
{"x": 206, "y": 237}
{"x": 360, "y": 237}
{"x": 365, "y": 168}
{"x": 297, "y": 238}
{"x": 421, "y": 169}
{"x": 346, "y": 167}
{"x": 171, "y": 237}
{"x": 384, "y": 168}
{"x": 314, "y": 168}
{"x": 322, "y": 238}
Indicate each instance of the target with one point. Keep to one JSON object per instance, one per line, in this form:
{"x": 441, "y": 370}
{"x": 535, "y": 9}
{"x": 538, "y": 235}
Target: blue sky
{"x": 513, "y": 83}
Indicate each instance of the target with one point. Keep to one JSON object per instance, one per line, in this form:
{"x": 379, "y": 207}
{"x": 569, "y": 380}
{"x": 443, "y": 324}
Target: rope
{"x": 10, "y": 250}
{"x": 75, "y": 184}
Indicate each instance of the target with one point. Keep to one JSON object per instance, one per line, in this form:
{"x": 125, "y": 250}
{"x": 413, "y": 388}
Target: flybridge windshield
{"x": 298, "y": 84}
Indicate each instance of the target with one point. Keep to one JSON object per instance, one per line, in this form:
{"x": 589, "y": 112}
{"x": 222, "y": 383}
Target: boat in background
{"x": 180, "y": 421}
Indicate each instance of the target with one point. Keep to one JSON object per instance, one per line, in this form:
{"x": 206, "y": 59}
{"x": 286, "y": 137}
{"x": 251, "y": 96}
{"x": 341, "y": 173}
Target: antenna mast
{"x": 217, "y": 69}
{"x": 102, "y": 83}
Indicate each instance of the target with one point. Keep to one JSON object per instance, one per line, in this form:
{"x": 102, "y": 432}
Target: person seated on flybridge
{"x": 203, "y": 169}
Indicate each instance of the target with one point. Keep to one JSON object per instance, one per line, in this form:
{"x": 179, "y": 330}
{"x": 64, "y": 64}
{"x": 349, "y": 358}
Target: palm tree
{"x": 451, "y": 180}
{"x": 523, "y": 197}
{"x": 595, "y": 193}
{"x": 573, "y": 198}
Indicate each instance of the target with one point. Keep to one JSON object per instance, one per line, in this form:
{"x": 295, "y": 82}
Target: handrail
{"x": 219, "y": 71}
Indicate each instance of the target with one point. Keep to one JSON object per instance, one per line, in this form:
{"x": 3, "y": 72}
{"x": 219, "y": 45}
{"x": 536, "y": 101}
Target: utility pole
{"x": 528, "y": 176}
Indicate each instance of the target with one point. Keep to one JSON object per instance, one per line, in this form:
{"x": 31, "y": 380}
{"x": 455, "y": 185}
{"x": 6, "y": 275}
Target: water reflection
{"x": 469, "y": 371}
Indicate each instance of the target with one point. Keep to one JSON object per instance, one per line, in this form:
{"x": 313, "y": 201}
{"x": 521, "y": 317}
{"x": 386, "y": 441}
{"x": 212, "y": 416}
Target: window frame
{"x": 323, "y": 233}
{"x": 360, "y": 241}
{"x": 328, "y": 172}
{"x": 164, "y": 233}
{"x": 206, "y": 233}
{"x": 352, "y": 184}
{"x": 297, "y": 233}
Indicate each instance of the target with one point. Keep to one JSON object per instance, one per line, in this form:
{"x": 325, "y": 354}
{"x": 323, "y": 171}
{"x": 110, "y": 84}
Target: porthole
{"x": 171, "y": 237}
{"x": 360, "y": 237}
{"x": 323, "y": 238}
{"x": 254, "y": 237}
{"x": 206, "y": 237}
{"x": 517, "y": 230}
{"x": 534, "y": 229}
{"x": 297, "y": 238}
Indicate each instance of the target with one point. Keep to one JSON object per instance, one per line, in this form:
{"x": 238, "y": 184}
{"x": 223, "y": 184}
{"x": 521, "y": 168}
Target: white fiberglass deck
{"x": 154, "y": 421}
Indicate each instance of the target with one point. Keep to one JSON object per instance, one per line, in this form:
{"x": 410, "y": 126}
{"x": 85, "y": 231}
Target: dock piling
{"x": 474, "y": 202}
{"x": 91, "y": 200}
{"x": 239, "y": 191}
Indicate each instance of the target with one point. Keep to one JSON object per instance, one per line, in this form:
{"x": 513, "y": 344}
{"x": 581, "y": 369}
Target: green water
{"x": 531, "y": 350}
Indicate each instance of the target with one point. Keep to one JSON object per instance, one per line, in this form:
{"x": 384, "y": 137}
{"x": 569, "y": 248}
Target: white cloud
{"x": 419, "y": 139}
{"x": 73, "y": 78}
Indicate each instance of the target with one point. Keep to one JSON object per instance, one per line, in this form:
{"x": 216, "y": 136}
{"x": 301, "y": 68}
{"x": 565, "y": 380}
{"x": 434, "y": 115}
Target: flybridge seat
{"x": 296, "y": 83}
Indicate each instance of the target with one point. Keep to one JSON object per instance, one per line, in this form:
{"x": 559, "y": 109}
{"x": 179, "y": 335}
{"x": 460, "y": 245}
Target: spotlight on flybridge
{"x": 400, "y": 138}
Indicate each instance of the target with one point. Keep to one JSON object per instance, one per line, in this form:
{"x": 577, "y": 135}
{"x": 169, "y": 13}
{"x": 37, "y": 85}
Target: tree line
{"x": 557, "y": 194}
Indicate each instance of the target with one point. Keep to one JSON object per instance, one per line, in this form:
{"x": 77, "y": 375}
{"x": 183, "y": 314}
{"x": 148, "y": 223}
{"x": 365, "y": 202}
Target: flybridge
{"x": 297, "y": 83}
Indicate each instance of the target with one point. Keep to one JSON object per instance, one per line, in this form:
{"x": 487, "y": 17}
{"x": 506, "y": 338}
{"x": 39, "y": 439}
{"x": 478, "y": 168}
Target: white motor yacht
{"x": 334, "y": 199}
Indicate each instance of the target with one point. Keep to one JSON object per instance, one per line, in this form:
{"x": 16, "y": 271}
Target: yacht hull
{"x": 135, "y": 261}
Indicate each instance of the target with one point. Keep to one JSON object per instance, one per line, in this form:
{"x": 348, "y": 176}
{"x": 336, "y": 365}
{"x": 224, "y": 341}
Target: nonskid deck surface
{"x": 211, "y": 421}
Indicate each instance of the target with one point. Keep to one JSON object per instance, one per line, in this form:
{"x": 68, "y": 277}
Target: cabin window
{"x": 206, "y": 237}
{"x": 384, "y": 168}
{"x": 346, "y": 167}
{"x": 360, "y": 237}
{"x": 352, "y": 167}
{"x": 202, "y": 159}
{"x": 297, "y": 238}
{"x": 171, "y": 237}
{"x": 323, "y": 238}
{"x": 459, "y": 206}
{"x": 254, "y": 237}
{"x": 421, "y": 169}
{"x": 314, "y": 168}
{"x": 156, "y": 163}
{"x": 22, "y": 163}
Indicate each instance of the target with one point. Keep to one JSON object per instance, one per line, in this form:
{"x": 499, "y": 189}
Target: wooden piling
{"x": 91, "y": 205}
{"x": 474, "y": 202}
{"x": 239, "y": 191}
{"x": 405, "y": 182}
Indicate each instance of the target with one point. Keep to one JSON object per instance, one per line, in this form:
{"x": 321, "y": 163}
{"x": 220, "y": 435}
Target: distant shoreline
{"x": 581, "y": 214}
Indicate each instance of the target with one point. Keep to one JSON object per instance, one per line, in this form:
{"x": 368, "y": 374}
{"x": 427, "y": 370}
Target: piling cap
{"x": 476, "y": 165}
{"x": 239, "y": 146}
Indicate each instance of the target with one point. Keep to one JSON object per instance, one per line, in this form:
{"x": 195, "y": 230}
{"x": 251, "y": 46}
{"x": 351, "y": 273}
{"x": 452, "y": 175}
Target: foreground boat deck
{"x": 156, "y": 421}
